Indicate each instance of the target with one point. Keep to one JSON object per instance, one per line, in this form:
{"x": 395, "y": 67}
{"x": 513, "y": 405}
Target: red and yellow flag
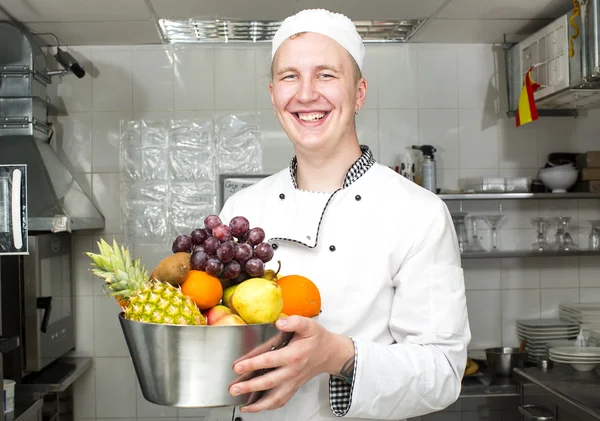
{"x": 527, "y": 110}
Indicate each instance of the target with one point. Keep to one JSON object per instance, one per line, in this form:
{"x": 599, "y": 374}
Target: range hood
{"x": 56, "y": 202}
{"x": 565, "y": 56}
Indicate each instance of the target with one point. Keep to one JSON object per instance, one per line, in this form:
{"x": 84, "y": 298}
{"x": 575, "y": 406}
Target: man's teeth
{"x": 311, "y": 116}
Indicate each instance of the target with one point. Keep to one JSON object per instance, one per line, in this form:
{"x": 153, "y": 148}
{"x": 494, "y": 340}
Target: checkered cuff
{"x": 340, "y": 392}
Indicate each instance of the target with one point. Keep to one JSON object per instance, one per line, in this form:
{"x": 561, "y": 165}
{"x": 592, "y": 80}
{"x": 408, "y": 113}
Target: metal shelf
{"x": 526, "y": 253}
{"x": 25, "y": 410}
{"x": 517, "y": 196}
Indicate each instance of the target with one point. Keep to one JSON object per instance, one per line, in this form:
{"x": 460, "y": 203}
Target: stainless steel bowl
{"x": 502, "y": 360}
{"x": 192, "y": 366}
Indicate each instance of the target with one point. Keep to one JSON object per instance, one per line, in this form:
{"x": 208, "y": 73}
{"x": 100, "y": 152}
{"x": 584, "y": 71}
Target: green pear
{"x": 257, "y": 300}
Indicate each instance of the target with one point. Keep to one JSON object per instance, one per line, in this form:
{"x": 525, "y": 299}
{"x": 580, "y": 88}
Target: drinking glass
{"x": 494, "y": 222}
{"x": 475, "y": 243}
{"x": 594, "y": 238}
{"x": 541, "y": 242}
{"x": 461, "y": 231}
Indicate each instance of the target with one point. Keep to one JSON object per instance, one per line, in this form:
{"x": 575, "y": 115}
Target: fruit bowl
{"x": 191, "y": 366}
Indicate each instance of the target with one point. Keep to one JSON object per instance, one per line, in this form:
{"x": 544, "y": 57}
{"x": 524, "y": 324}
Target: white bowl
{"x": 559, "y": 179}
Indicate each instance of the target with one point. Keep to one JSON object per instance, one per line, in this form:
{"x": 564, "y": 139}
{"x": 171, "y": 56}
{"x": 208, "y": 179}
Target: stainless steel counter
{"x": 578, "y": 391}
{"x": 487, "y": 384}
{"x": 25, "y": 410}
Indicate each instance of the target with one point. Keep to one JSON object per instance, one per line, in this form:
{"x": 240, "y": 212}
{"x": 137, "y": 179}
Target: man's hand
{"x": 312, "y": 351}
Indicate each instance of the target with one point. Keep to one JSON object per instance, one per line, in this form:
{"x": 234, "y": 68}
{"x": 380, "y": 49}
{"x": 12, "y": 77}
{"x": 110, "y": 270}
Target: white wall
{"x": 448, "y": 95}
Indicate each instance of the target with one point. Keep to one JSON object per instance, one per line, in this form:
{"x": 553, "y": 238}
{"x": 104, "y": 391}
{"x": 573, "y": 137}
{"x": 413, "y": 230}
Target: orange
{"x": 301, "y": 297}
{"x": 205, "y": 290}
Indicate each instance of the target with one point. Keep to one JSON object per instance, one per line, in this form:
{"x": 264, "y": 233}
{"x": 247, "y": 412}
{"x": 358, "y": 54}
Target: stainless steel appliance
{"x": 37, "y": 302}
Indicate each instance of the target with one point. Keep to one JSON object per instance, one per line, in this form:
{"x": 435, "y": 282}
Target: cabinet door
{"x": 537, "y": 404}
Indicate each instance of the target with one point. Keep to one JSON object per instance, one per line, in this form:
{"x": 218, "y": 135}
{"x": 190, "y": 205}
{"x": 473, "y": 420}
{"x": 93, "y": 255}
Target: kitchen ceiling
{"x": 122, "y": 22}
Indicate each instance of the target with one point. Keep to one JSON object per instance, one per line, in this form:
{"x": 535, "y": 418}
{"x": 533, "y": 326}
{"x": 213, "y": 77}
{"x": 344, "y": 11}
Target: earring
{"x": 356, "y": 112}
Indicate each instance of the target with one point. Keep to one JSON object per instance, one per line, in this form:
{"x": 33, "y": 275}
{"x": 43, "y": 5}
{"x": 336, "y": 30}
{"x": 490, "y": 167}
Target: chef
{"x": 391, "y": 340}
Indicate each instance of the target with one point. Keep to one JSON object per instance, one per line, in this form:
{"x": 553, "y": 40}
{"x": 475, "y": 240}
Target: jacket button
{"x": 357, "y": 197}
{"x": 332, "y": 248}
{"x": 275, "y": 246}
{"x": 282, "y": 196}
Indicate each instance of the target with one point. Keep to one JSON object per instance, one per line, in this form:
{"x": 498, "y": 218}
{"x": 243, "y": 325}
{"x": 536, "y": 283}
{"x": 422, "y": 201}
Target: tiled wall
{"x": 452, "y": 96}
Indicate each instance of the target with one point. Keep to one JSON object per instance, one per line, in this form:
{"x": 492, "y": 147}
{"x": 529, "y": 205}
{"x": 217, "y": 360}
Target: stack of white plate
{"x": 594, "y": 338}
{"x": 586, "y": 315}
{"x": 541, "y": 334}
{"x": 580, "y": 358}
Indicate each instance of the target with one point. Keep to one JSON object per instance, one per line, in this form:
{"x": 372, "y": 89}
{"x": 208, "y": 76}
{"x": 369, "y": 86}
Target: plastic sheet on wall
{"x": 170, "y": 170}
{"x": 239, "y": 141}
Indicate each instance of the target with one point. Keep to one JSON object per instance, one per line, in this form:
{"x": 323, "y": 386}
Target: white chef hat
{"x": 334, "y": 25}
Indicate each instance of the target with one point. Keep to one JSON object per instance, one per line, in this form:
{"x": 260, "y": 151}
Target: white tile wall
{"x": 451, "y": 96}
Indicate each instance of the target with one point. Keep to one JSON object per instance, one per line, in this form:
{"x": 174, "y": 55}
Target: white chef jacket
{"x": 387, "y": 263}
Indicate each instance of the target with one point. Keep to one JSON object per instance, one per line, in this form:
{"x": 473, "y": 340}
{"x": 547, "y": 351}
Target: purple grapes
{"x": 198, "y": 260}
{"x": 264, "y": 252}
{"x": 211, "y": 245}
{"x": 213, "y": 267}
{"x": 221, "y": 232}
{"x": 226, "y": 252}
{"x": 197, "y": 248}
{"x": 239, "y": 226}
{"x": 255, "y": 267}
{"x": 243, "y": 252}
{"x": 231, "y": 270}
{"x": 183, "y": 243}
{"x": 211, "y": 221}
{"x": 255, "y": 236}
{"x": 198, "y": 236}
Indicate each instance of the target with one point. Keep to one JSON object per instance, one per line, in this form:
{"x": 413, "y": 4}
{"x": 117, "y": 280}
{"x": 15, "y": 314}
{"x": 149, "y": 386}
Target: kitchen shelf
{"x": 58, "y": 376}
{"x": 517, "y": 196}
{"x": 526, "y": 253}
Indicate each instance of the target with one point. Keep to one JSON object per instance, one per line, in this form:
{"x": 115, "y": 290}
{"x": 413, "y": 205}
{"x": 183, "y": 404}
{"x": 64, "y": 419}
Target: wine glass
{"x": 594, "y": 238}
{"x": 494, "y": 222}
{"x": 475, "y": 243}
{"x": 563, "y": 240}
{"x": 461, "y": 231}
{"x": 541, "y": 242}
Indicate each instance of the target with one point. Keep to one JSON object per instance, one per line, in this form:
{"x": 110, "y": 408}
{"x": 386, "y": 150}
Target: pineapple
{"x": 142, "y": 299}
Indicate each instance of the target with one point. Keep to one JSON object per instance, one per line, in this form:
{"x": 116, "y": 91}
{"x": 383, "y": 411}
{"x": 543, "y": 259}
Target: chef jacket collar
{"x": 357, "y": 170}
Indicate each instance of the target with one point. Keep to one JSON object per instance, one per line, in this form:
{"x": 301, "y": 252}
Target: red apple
{"x": 215, "y": 313}
{"x": 229, "y": 319}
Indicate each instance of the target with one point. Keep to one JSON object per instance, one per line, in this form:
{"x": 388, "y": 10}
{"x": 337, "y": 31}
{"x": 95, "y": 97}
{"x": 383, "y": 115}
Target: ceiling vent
{"x": 203, "y": 31}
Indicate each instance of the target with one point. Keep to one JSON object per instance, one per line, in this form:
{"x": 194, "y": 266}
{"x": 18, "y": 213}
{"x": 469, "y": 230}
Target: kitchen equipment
{"x": 541, "y": 242}
{"x": 494, "y": 222}
{"x": 191, "y": 366}
{"x": 474, "y": 245}
{"x": 428, "y": 167}
{"x": 13, "y": 209}
{"x": 567, "y": 82}
{"x": 502, "y": 360}
{"x": 559, "y": 179}
{"x": 37, "y": 303}
{"x": 585, "y": 315}
{"x": 461, "y": 231}
{"x": 594, "y": 237}
{"x": 26, "y": 114}
{"x": 580, "y": 358}
{"x": 540, "y": 334}
{"x": 562, "y": 239}
{"x": 545, "y": 364}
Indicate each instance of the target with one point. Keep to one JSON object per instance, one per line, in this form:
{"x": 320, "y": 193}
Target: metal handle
{"x": 45, "y": 303}
{"x": 8, "y": 344}
{"x": 536, "y": 413}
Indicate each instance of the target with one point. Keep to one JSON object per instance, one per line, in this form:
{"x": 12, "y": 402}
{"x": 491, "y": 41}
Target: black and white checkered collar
{"x": 357, "y": 170}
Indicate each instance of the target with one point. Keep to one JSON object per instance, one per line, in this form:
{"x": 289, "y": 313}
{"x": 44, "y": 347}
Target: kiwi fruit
{"x": 173, "y": 269}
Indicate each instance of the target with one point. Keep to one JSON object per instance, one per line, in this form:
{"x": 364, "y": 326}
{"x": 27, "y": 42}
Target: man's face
{"x": 315, "y": 92}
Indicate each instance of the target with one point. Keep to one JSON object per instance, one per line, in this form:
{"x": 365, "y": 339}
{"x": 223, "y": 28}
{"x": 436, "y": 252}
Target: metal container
{"x": 192, "y": 366}
{"x": 503, "y": 360}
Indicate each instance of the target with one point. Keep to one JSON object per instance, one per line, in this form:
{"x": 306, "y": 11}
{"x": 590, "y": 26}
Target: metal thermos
{"x": 428, "y": 167}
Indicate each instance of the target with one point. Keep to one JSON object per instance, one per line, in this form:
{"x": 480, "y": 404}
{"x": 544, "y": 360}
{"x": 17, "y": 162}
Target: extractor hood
{"x": 565, "y": 57}
{"x": 56, "y": 202}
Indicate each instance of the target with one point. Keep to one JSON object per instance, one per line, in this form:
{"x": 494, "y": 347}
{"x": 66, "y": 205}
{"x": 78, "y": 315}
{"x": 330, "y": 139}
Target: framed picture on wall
{"x": 232, "y": 183}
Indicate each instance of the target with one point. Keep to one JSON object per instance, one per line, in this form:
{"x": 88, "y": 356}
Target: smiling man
{"x": 391, "y": 340}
